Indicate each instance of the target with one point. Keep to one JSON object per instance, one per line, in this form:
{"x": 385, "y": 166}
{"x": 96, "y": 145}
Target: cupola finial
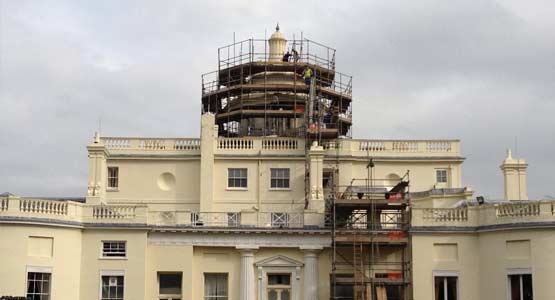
{"x": 277, "y": 27}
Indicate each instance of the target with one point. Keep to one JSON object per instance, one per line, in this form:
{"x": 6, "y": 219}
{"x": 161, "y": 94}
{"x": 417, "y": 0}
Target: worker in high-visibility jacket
{"x": 307, "y": 75}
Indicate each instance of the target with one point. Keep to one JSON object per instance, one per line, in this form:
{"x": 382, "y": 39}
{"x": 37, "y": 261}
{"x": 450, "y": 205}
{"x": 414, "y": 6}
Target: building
{"x": 275, "y": 201}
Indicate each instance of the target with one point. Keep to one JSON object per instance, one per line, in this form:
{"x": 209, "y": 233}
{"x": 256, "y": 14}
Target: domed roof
{"x": 277, "y": 35}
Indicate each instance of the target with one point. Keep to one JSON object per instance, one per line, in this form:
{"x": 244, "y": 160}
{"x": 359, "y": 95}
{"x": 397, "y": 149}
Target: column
{"x": 247, "y": 279}
{"x": 310, "y": 287}
{"x": 208, "y": 136}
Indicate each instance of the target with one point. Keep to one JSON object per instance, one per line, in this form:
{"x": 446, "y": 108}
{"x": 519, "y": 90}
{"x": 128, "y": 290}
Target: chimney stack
{"x": 514, "y": 173}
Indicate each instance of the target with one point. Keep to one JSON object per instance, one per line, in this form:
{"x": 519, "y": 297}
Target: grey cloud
{"x": 477, "y": 70}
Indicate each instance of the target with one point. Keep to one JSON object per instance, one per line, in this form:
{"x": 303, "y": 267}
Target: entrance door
{"x": 279, "y": 287}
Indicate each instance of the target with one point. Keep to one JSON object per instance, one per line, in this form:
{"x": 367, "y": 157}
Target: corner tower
{"x": 258, "y": 90}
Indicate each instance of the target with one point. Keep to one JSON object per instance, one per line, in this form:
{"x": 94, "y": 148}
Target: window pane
{"x": 279, "y": 279}
{"x": 439, "y": 291}
{"x": 38, "y": 285}
{"x": 514, "y": 281}
{"x": 215, "y": 286}
{"x": 285, "y": 295}
{"x": 170, "y": 283}
{"x": 112, "y": 287}
{"x": 527, "y": 287}
{"x": 451, "y": 288}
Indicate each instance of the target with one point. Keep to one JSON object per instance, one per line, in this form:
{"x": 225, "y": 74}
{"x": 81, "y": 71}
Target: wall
{"x": 140, "y": 182}
{"x": 134, "y": 266}
{"x": 65, "y": 259}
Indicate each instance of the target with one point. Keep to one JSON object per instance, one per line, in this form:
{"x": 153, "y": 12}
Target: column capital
{"x": 313, "y": 250}
{"x": 246, "y": 251}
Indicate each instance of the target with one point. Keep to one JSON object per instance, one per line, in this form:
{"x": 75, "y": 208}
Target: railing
{"x": 280, "y": 220}
{"x": 446, "y": 214}
{"x": 485, "y": 215}
{"x": 280, "y": 144}
{"x": 235, "y": 143}
{"x": 222, "y": 219}
{"x": 256, "y": 50}
{"x": 517, "y": 209}
{"x": 113, "y": 212}
{"x": 340, "y": 84}
{"x": 43, "y": 207}
{"x": 151, "y": 144}
{"x": 469, "y": 216}
{"x": 396, "y": 147}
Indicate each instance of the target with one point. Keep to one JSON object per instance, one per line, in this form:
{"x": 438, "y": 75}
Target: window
{"x": 445, "y": 287}
{"x": 215, "y": 286}
{"x": 279, "y": 286}
{"x": 343, "y": 291}
{"x": 279, "y": 219}
{"x": 169, "y": 286}
{"x": 233, "y": 219}
{"x": 520, "y": 286}
{"x": 38, "y": 286}
{"x": 279, "y": 178}
{"x": 441, "y": 176}
{"x": 237, "y": 178}
{"x": 113, "y": 249}
{"x": 113, "y": 173}
{"x": 112, "y": 287}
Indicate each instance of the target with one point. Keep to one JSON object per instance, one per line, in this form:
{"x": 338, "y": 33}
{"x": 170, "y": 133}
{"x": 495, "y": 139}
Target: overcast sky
{"x": 476, "y": 70}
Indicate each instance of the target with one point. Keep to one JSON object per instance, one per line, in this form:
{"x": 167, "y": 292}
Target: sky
{"x": 476, "y": 70}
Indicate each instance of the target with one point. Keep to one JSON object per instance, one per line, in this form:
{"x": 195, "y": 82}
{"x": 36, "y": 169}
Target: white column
{"x": 310, "y": 287}
{"x": 247, "y": 279}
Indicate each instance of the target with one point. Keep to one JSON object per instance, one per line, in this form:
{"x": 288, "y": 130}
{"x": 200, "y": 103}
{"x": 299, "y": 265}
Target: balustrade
{"x": 517, "y": 209}
{"x": 113, "y": 212}
{"x": 446, "y": 214}
{"x": 43, "y": 206}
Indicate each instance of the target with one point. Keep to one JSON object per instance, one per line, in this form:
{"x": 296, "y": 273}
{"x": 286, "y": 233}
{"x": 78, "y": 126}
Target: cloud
{"x": 477, "y": 70}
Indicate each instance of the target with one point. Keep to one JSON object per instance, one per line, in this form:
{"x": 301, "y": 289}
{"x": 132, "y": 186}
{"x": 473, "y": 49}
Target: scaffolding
{"x": 369, "y": 220}
{"x": 253, "y": 94}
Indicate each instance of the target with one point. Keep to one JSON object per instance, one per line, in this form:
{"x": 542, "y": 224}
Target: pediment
{"x": 279, "y": 261}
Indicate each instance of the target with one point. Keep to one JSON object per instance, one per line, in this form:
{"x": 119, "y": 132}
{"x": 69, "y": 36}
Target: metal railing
{"x": 255, "y": 50}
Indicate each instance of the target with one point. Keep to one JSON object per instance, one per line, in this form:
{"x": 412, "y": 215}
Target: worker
{"x": 327, "y": 118}
{"x": 286, "y": 56}
{"x": 295, "y": 55}
{"x": 307, "y": 75}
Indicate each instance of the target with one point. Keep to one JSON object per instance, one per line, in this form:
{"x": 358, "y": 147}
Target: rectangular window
{"x": 169, "y": 286}
{"x": 441, "y": 176}
{"x": 215, "y": 286}
{"x": 520, "y": 286}
{"x": 279, "y": 178}
{"x": 237, "y": 178}
{"x": 342, "y": 291}
{"x": 112, "y": 287}
{"x": 279, "y": 219}
{"x": 445, "y": 287}
{"x": 38, "y": 286}
{"x": 114, "y": 249}
{"x": 113, "y": 173}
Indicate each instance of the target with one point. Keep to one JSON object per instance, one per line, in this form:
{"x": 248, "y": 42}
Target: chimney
{"x": 514, "y": 174}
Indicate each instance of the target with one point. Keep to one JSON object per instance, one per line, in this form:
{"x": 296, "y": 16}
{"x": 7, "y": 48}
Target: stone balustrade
{"x": 149, "y": 145}
{"x": 80, "y": 214}
{"x": 278, "y": 145}
{"x": 377, "y": 148}
{"x": 46, "y": 207}
{"x": 31, "y": 210}
{"x": 523, "y": 212}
